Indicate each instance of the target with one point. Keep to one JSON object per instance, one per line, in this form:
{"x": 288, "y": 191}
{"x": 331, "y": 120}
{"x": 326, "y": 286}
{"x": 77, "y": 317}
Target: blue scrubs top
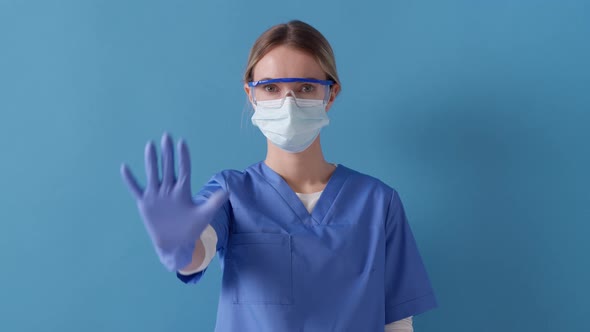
{"x": 350, "y": 265}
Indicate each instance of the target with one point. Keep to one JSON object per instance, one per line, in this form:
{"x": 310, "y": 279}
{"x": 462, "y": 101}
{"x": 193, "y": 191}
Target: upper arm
{"x": 402, "y": 325}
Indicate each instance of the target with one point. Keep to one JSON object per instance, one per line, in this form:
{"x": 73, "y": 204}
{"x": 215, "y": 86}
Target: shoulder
{"x": 365, "y": 181}
{"x": 234, "y": 176}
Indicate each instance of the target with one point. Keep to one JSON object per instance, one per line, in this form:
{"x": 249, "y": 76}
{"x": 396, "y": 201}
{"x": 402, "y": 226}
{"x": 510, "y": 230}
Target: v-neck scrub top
{"x": 352, "y": 264}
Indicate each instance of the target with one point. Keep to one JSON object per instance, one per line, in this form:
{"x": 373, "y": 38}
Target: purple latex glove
{"x": 172, "y": 219}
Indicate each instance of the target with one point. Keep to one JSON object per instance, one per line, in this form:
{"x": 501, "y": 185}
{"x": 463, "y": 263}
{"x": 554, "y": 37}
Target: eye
{"x": 307, "y": 88}
{"x": 270, "y": 88}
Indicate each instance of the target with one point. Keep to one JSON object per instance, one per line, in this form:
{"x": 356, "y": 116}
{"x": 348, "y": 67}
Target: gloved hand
{"x": 172, "y": 219}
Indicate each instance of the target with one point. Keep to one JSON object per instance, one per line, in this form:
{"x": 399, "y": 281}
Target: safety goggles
{"x": 302, "y": 90}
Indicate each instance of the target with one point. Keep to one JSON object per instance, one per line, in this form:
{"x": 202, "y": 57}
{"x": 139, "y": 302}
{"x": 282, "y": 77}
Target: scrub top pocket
{"x": 261, "y": 268}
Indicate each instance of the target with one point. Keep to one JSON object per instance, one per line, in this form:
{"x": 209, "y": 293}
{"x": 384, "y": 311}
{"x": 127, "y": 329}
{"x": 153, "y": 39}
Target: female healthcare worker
{"x": 304, "y": 244}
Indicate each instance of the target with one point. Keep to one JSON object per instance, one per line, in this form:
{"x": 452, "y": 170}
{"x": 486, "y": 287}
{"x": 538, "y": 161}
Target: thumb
{"x": 131, "y": 182}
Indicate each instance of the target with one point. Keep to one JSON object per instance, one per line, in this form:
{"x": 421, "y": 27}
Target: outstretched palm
{"x": 171, "y": 217}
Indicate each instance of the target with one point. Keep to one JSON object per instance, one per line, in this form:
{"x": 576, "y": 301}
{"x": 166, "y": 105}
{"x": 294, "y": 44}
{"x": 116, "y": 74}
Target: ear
{"x": 334, "y": 91}
{"x": 247, "y": 91}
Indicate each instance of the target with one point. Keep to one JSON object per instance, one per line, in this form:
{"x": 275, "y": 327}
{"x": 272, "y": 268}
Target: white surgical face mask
{"x": 294, "y": 125}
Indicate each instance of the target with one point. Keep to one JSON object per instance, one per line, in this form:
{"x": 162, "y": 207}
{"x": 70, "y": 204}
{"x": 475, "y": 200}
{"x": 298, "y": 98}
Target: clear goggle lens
{"x": 303, "y": 91}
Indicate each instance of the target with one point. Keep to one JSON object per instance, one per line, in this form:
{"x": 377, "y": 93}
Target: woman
{"x": 305, "y": 245}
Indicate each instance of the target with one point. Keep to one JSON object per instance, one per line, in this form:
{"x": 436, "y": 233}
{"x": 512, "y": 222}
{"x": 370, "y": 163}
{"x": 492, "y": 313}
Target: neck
{"x": 305, "y": 172}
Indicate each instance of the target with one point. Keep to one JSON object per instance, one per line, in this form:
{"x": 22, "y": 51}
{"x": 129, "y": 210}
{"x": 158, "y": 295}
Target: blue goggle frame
{"x": 290, "y": 80}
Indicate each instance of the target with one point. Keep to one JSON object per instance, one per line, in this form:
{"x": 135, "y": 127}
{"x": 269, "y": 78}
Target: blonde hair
{"x": 299, "y": 35}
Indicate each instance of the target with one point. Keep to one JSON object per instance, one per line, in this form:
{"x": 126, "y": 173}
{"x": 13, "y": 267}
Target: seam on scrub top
{"x": 320, "y": 223}
{"x": 414, "y": 299}
{"x": 388, "y": 210}
{"x": 278, "y": 192}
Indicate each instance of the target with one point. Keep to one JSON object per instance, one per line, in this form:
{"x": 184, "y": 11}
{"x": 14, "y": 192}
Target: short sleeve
{"x": 220, "y": 222}
{"x": 408, "y": 290}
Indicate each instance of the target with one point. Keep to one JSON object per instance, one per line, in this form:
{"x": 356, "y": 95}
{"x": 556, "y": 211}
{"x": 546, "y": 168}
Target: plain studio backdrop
{"x": 477, "y": 112}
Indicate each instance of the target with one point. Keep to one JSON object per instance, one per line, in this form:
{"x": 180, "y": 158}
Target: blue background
{"x": 477, "y": 112}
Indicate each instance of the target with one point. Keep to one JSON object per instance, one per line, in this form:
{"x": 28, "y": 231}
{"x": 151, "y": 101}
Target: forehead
{"x": 286, "y": 61}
